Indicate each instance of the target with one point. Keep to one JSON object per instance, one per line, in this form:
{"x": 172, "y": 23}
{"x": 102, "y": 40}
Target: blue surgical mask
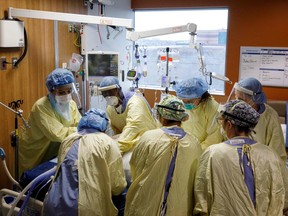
{"x": 189, "y": 106}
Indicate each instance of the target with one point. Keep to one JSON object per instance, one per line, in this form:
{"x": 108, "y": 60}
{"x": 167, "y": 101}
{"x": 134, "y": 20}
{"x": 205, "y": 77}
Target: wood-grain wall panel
{"x": 27, "y": 82}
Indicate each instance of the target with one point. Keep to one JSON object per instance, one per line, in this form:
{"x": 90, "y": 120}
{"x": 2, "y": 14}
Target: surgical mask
{"x": 63, "y": 99}
{"x": 189, "y": 106}
{"x": 112, "y": 100}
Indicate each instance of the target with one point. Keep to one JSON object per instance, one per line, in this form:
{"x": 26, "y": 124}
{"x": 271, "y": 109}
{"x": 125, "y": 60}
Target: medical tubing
{"x": 20, "y": 195}
{"x": 47, "y": 174}
{"x": 2, "y": 156}
{"x": 9, "y": 175}
{"x": 40, "y": 189}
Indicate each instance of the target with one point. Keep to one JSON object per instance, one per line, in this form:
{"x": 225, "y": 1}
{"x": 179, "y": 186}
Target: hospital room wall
{"x": 250, "y": 23}
{"x": 27, "y": 82}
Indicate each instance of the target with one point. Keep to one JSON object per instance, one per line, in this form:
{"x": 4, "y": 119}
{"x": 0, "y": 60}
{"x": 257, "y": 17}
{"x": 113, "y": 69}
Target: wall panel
{"x": 27, "y": 82}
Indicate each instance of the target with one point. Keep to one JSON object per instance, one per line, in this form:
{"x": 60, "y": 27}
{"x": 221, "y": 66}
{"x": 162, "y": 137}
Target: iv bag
{"x": 75, "y": 62}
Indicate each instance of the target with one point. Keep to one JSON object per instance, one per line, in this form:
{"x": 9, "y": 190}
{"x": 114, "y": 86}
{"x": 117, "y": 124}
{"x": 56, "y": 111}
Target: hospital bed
{"x": 22, "y": 201}
{"x": 35, "y": 183}
{"x": 29, "y": 175}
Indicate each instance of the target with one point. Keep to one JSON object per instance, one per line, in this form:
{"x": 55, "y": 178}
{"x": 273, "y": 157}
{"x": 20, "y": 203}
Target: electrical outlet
{"x": 71, "y": 28}
{"x": 3, "y": 63}
{"x": 14, "y": 60}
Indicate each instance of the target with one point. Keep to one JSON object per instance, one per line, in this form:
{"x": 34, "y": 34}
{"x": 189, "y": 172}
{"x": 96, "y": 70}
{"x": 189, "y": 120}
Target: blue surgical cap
{"x": 255, "y": 86}
{"x": 109, "y": 81}
{"x": 94, "y": 119}
{"x": 191, "y": 88}
{"x": 59, "y": 77}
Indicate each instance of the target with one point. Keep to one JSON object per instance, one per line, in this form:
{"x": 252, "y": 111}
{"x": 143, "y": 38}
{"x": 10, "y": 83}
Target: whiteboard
{"x": 267, "y": 64}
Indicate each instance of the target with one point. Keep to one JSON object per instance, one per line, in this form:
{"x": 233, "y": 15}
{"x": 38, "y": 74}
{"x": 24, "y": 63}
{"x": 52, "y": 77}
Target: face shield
{"x": 76, "y": 96}
{"x": 110, "y": 94}
{"x": 106, "y": 91}
{"x": 241, "y": 93}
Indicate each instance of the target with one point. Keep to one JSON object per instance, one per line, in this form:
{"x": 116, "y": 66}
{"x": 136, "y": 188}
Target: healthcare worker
{"x": 268, "y": 130}
{"x": 51, "y": 120}
{"x": 89, "y": 171}
{"x": 202, "y": 110}
{"x": 163, "y": 166}
{"x": 240, "y": 176}
{"x": 129, "y": 114}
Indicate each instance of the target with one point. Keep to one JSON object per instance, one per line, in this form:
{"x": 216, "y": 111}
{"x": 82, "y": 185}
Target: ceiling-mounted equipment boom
{"x": 69, "y": 17}
{"x": 190, "y": 27}
{"x": 203, "y": 68}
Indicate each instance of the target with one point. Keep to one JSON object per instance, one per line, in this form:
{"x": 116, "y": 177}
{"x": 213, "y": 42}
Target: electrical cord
{"x": 25, "y": 49}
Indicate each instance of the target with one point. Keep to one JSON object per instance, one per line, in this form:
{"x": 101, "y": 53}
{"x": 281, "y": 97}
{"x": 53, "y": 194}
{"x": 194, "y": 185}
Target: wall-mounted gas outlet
{"x": 14, "y": 60}
{"x": 3, "y": 63}
{"x": 71, "y": 28}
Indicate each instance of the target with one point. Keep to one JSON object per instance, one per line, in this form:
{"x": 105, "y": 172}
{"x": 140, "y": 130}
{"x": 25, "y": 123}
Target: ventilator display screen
{"x": 102, "y": 64}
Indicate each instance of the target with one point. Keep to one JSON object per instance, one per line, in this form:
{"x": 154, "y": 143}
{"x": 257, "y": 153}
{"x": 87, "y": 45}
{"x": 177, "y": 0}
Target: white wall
{"x": 91, "y": 41}
{"x": 120, "y": 9}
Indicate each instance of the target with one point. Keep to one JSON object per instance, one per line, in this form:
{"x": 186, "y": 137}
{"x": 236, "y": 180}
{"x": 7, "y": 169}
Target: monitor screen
{"x": 101, "y": 64}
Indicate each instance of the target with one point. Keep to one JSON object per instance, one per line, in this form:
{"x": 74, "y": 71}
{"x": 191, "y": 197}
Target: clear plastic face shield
{"x": 76, "y": 96}
{"x": 108, "y": 90}
{"x": 69, "y": 91}
{"x": 238, "y": 92}
{"x": 111, "y": 96}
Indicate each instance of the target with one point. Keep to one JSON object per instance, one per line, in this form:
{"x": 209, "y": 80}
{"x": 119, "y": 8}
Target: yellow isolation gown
{"x": 149, "y": 166}
{"x": 48, "y": 129}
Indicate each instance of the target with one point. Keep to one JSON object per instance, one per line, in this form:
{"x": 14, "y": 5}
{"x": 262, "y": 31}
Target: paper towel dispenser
{"x": 11, "y": 33}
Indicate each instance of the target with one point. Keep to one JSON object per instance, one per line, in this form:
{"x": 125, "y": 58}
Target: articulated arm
{"x": 134, "y": 36}
{"x": 69, "y": 17}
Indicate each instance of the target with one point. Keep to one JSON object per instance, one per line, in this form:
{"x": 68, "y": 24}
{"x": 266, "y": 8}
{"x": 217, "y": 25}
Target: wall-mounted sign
{"x": 268, "y": 64}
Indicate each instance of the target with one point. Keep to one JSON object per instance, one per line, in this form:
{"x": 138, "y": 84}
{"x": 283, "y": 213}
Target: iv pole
{"x": 15, "y": 140}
